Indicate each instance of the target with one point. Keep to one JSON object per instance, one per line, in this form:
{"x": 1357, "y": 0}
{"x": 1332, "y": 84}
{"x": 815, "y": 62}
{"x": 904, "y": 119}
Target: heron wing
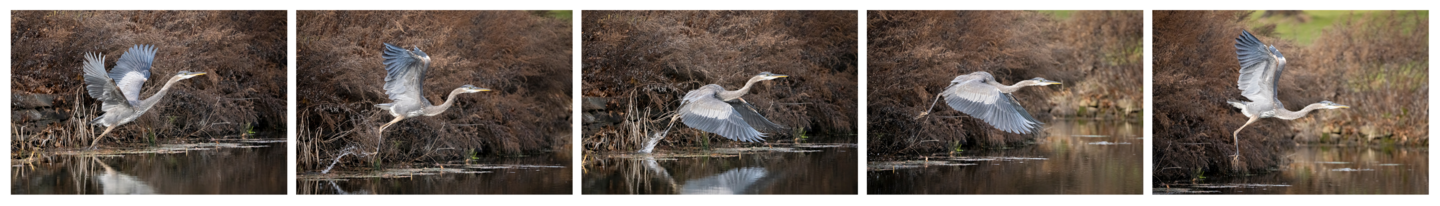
{"x": 1259, "y": 68}
{"x": 754, "y": 119}
{"x": 405, "y": 74}
{"x": 100, "y": 86}
{"x": 987, "y": 103}
{"x": 702, "y": 110}
{"x": 132, "y": 70}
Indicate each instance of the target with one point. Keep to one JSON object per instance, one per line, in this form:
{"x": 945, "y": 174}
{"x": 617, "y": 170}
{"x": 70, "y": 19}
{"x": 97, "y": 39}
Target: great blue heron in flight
{"x": 1260, "y": 68}
{"x": 119, "y": 89}
{"x": 712, "y": 109}
{"x": 979, "y": 95}
{"x": 405, "y": 85}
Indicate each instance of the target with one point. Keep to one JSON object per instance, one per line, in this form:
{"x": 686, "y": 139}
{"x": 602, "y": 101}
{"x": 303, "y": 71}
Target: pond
{"x": 1324, "y": 169}
{"x": 215, "y": 166}
{"x": 1070, "y": 157}
{"x": 743, "y": 168}
{"x": 544, "y": 174}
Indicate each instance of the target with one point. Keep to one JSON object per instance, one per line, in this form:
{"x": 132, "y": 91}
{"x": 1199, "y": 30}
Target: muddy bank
{"x": 915, "y": 54}
{"x": 524, "y": 56}
{"x": 243, "y": 53}
{"x": 638, "y": 64}
{"x": 1376, "y": 63}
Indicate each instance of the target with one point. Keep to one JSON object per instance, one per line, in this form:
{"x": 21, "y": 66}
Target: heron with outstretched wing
{"x": 119, "y": 89}
{"x": 1260, "y": 69}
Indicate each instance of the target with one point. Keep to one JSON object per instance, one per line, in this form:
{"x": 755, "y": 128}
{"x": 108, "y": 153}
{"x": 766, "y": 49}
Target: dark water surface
{"x": 1073, "y": 157}
{"x": 236, "y": 166}
{"x": 511, "y": 175}
{"x": 1313, "y": 169}
{"x": 779, "y": 168}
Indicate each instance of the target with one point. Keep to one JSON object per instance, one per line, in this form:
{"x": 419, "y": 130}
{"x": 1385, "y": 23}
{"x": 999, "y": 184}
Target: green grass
{"x": 1059, "y": 14}
{"x": 1305, "y": 33}
{"x": 560, "y": 14}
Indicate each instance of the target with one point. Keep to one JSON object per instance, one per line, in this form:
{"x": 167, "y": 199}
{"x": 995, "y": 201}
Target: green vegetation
{"x": 1058, "y": 14}
{"x": 1303, "y": 29}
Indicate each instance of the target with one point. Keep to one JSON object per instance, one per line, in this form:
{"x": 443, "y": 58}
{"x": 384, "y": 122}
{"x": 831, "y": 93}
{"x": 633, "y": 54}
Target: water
{"x": 1313, "y": 169}
{"x": 518, "y": 175}
{"x": 234, "y": 166}
{"x": 1073, "y": 157}
{"x": 779, "y": 168}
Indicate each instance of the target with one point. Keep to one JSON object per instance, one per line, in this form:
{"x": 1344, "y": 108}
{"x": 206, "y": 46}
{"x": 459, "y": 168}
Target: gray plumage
{"x": 1260, "y": 69}
{"x": 979, "y": 95}
{"x": 119, "y": 89}
{"x": 405, "y": 86}
{"x": 711, "y": 108}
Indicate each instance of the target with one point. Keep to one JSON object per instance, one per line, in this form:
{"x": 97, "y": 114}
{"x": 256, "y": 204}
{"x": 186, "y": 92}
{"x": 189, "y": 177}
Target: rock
{"x": 593, "y": 103}
{"x": 37, "y": 117}
{"x": 31, "y": 101}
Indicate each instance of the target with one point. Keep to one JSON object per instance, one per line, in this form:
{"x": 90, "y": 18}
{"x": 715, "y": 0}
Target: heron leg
{"x": 932, "y": 106}
{"x": 1236, "y": 135}
{"x": 650, "y": 144}
{"x": 380, "y": 134}
{"x": 102, "y": 136}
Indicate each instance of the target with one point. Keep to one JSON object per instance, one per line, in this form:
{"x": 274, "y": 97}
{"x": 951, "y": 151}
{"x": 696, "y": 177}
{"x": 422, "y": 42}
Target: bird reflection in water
{"x": 115, "y": 183}
{"x": 734, "y": 181}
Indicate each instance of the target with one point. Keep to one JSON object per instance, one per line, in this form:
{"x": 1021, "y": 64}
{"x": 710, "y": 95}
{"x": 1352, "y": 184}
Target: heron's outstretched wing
{"x": 1260, "y": 68}
{"x": 734, "y": 181}
{"x": 987, "y": 103}
{"x": 702, "y": 110}
{"x": 100, "y": 86}
{"x": 405, "y": 74}
{"x": 132, "y": 70}
{"x": 752, "y": 117}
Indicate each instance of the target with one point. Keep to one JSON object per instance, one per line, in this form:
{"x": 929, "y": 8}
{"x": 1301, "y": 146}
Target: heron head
{"x": 471, "y": 89}
{"x": 1331, "y": 105}
{"x": 420, "y": 54}
{"x": 769, "y": 76}
{"x": 188, "y": 74}
{"x": 1037, "y": 81}
{"x": 1278, "y": 55}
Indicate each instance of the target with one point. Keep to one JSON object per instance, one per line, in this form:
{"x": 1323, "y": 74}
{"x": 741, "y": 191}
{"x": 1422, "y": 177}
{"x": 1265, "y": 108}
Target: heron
{"x": 713, "y": 109}
{"x": 979, "y": 95}
{"x": 405, "y": 86}
{"x": 1260, "y": 69}
{"x": 119, "y": 89}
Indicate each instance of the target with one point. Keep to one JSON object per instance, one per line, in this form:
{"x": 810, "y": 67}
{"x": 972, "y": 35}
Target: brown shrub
{"x": 1362, "y": 62}
{"x": 243, "y": 52}
{"x": 523, "y": 56}
{"x": 915, "y": 54}
{"x": 644, "y": 61}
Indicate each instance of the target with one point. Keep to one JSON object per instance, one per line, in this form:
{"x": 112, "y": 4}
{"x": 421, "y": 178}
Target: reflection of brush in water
{"x": 979, "y": 95}
{"x": 116, "y": 183}
{"x": 712, "y": 109}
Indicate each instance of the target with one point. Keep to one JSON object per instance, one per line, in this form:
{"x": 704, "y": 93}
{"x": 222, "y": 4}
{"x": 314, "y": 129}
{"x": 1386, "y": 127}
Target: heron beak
{"x": 1048, "y": 82}
{"x": 198, "y": 74}
{"x": 1343, "y": 106}
{"x": 777, "y": 76}
{"x": 482, "y": 90}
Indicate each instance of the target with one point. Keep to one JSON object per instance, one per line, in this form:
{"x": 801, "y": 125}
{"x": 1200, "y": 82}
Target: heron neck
{"x": 146, "y": 104}
{"x": 436, "y": 110}
{"x": 1008, "y": 88}
{"x": 732, "y": 95}
{"x": 1286, "y": 114}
